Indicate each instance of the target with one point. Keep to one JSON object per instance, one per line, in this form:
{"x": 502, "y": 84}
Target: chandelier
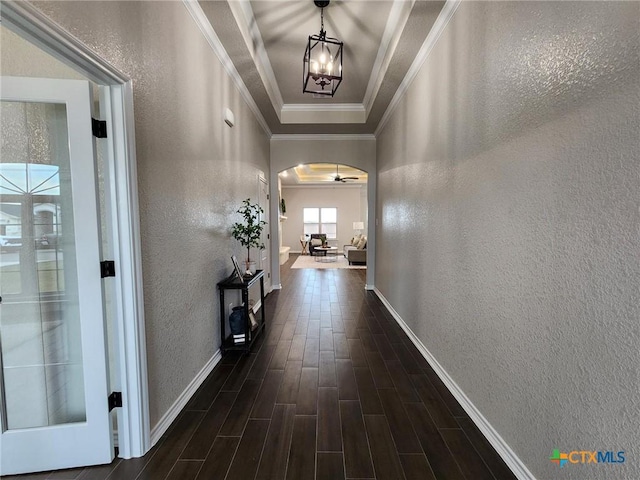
{"x": 322, "y": 64}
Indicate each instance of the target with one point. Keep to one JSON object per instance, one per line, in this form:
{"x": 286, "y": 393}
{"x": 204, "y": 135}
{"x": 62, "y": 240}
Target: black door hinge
{"x": 99, "y": 128}
{"x": 108, "y": 268}
{"x": 115, "y": 400}
{"x": 268, "y": 237}
{"x": 267, "y": 196}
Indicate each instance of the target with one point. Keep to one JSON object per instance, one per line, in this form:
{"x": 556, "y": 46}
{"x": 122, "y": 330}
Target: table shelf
{"x": 234, "y": 283}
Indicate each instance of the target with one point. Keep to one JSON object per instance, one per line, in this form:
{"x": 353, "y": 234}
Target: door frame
{"x": 123, "y": 222}
{"x": 266, "y": 198}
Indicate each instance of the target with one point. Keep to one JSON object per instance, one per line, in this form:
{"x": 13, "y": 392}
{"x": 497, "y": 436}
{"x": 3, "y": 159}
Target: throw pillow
{"x": 356, "y": 240}
{"x": 362, "y": 243}
{"x": 316, "y": 242}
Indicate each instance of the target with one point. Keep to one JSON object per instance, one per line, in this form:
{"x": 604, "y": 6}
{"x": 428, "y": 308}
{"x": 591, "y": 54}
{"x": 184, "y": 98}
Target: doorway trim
{"x": 124, "y": 222}
{"x": 358, "y": 151}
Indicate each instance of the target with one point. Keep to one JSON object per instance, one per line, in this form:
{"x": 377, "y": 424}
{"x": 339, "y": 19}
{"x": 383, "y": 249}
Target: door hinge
{"x": 268, "y": 237}
{"x": 267, "y": 196}
{"x": 268, "y": 275}
{"x": 99, "y": 128}
{"x": 115, "y": 400}
{"x": 107, "y": 268}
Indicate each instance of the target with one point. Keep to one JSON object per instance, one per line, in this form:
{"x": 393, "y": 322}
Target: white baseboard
{"x": 175, "y": 409}
{"x": 277, "y": 286}
{"x": 516, "y": 465}
{"x": 256, "y": 306}
{"x": 370, "y": 287}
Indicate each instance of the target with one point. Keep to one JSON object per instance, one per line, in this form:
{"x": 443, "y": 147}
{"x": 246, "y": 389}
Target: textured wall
{"x": 508, "y": 183}
{"x": 193, "y": 172}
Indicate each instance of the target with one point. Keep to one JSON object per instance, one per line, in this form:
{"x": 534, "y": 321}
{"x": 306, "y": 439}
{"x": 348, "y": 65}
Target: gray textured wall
{"x": 193, "y": 172}
{"x": 508, "y": 192}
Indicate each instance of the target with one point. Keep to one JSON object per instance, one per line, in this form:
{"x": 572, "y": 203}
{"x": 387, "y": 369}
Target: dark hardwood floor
{"x": 333, "y": 390}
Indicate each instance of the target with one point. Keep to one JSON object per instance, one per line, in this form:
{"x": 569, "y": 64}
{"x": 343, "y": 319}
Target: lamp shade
{"x": 358, "y": 225}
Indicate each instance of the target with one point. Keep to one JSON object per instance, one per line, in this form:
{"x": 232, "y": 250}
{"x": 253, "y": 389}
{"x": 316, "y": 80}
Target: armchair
{"x": 318, "y": 237}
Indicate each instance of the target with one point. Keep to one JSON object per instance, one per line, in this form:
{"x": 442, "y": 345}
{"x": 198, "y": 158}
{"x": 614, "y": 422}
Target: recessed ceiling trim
{"x": 398, "y": 17}
{"x": 201, "y": 20}
{"x": 438, "y": 27}
{"x": 326, "y": 107}
{"x": 323, "y": 136}
{"x": 323, "y": 113}
{"x": 243, "y": 14}
{"x": 332, "y": 185}
{"x": 320, "y": 115}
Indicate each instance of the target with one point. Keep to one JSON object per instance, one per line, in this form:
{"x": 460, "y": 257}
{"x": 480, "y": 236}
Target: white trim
{"x": 328, "y": 184}
{"x": 516, "y": 465}
{"x": 243, "y": 14}
{"x": 434, "y": 34}
{"x": 277, "y": 286}
{"x": 201, "y": 20}
{"x": 174, "y": 410}
{"x": 134, "y": 440}
{"x": 133, "y": 421}
{"x": 36, "y": 27}
{"x": 323, "y": 136}
{"x": 398, "y": 16}
{"x": 369, "y": 287}
{"x": 256, "y": 306}
{"x": 323, "y": 107}
{"x": 88, "y": 442}
{"x": 323, "y": 113}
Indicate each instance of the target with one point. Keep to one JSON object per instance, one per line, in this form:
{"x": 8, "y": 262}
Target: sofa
{"x": 356, "y": 251}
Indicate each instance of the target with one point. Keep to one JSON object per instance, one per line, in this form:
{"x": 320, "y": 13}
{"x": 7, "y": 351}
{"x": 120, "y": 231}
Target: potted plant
{"x": 249, "y": 232}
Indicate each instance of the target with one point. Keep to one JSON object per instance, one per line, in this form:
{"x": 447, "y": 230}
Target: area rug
{"x": 307, "y": 261}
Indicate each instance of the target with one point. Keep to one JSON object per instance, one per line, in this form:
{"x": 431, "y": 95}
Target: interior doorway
{"x": 324, "y": 201}
{"x": 119, "y": 226}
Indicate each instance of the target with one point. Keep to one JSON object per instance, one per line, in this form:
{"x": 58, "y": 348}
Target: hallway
{"x": 334, "y": 390}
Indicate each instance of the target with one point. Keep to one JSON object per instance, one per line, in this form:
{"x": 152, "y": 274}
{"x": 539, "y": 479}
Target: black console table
{"x": 234, "y": 283}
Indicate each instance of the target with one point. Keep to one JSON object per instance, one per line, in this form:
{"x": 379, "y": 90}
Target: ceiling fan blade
{"x": 350, "y": 178}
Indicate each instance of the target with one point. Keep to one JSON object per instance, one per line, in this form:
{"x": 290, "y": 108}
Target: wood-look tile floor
{"x": 333, "y": 390}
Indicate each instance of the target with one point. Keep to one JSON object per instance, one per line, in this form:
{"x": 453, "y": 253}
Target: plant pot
{"x": 251, "y": 266}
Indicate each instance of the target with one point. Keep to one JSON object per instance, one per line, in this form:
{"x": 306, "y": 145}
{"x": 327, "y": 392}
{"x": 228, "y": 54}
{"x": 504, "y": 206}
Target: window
{"x": 321, "y": 220}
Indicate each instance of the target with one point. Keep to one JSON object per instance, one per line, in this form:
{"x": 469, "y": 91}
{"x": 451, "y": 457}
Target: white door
{"x": 53, "y": 374}
{"x": 263, "y": 196}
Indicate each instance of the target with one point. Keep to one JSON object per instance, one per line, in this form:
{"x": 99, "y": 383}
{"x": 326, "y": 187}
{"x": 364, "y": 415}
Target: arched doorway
{"x": 355, "y": 151}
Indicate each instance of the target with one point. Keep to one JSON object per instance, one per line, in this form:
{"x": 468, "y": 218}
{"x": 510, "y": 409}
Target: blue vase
{"x": 236, "y": 320}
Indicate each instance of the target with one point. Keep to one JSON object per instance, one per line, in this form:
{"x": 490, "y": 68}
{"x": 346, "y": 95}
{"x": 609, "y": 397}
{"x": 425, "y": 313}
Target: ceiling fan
{"x": 338, "y": 178}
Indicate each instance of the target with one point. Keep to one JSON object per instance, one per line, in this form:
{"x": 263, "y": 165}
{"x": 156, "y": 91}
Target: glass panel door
{"x": 53, "y": 374}
{"x": 40, "y": 324}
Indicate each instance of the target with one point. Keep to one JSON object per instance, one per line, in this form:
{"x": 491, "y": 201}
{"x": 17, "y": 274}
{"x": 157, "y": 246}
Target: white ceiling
{"x": 266, "y": 40}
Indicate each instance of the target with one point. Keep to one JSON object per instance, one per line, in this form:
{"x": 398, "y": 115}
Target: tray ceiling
{"x": 265, "y": 40}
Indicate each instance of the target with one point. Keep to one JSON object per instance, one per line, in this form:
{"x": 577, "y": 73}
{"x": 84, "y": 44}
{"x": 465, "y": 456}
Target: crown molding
{"x": 210, "y": 35}
{"x": 398, "y": 17}
{"x": 324, "y": 136}
{"x": 243, "y": 14}
{"x": 438, "y": 27}
{"x": 323, "y": 107}
{"x": 313, "y": 113}
{"x": 304, "y": 113}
